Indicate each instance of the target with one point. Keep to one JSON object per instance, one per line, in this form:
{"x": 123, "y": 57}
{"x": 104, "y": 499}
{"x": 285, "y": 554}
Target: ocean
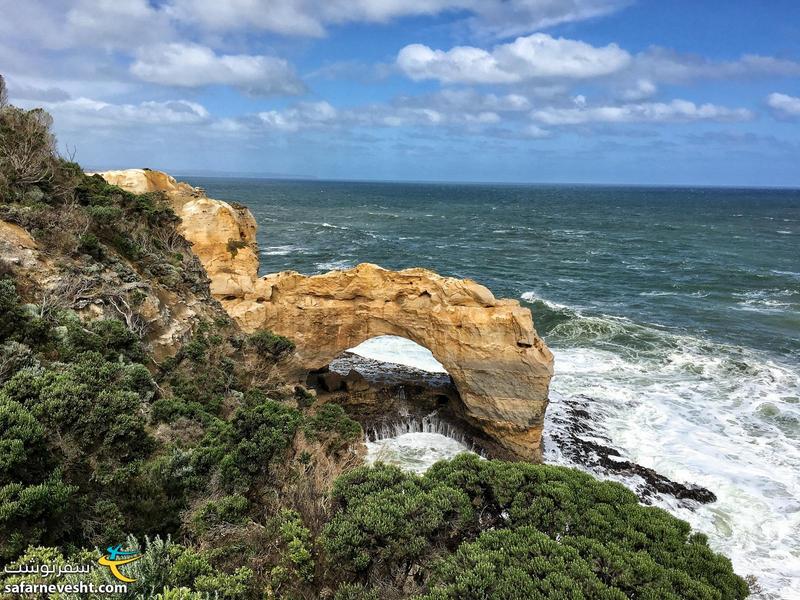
{"x": 673, "y": 314}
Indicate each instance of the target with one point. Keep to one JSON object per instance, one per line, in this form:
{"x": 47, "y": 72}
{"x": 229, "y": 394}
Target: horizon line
{"x": 210, "y": 174}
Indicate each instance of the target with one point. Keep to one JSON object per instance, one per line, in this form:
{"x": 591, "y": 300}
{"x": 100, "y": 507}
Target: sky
{"x": 571, "y": 91}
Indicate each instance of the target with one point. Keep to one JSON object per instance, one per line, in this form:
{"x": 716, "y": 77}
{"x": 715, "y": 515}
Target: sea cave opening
{"x": 403, "y": 397}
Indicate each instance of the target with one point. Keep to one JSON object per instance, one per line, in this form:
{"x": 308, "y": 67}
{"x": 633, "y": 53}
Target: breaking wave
{"x": 718, "y": 415}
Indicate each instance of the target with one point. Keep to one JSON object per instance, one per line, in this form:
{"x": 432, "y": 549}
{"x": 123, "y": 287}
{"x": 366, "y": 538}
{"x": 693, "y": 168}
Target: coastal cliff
{"x": 499, "y": 364}
{"x": 223, "y": 235}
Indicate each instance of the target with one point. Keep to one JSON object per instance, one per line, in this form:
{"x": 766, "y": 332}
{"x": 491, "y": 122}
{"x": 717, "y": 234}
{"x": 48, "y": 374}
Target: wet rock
{"x": 579, "y": 440}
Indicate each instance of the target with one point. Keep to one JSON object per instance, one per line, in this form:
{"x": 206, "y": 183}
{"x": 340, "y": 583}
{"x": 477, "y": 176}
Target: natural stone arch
{"x": 498, "y": 363}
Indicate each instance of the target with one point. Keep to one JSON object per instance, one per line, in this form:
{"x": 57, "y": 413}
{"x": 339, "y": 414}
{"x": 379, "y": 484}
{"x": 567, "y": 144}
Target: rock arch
{"x": 501, "y": 367}
{"x": 499, "y": 364}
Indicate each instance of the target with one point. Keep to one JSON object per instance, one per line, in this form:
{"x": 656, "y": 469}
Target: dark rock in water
{"x": 330, "y": 381}
{"x": 378, "y": 372}
{"x": 579, "y": 440}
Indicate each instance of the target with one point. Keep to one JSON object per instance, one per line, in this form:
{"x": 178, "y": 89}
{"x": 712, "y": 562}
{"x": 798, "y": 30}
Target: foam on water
{"x": 416, "y": 451}
{"x": 699, "y": 412}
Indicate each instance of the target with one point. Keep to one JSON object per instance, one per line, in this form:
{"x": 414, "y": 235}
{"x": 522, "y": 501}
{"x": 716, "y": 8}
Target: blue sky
{"x": 578, "y": 91}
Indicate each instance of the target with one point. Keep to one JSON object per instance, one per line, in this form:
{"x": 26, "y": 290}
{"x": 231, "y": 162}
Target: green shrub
{"x": 109, "y": 337}
{"x": 33, "y": 514}
{"x": 472, "y": 528}
{"x": 259, "y": 434}
{"x": 355, "y": 591}
{"x": 270, "y": 345}
{"x": 229, "y": 510}
{"x": 296, "y": 554}
{"x": 332, "y": 424}
{"x": 23, "y": 449}
{"x": 228, "y": 587}
{"x": 89, "y": 244}
{"x": 12, "y": 317}
{"x": 104, "y": 215}
{"x": 235, "y": 245}
{"x": 388, "y": 520}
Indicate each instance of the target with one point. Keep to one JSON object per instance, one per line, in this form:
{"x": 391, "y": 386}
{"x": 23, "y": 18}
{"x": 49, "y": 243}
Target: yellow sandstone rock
{"x": 223, "y": 236}
{"x": 501, "y": 367}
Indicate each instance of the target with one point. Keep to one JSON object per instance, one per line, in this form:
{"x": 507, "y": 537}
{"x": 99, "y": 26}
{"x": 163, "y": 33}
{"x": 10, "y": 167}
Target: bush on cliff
{"x": 270, "y": 345}
{"x": 471, "y": 528}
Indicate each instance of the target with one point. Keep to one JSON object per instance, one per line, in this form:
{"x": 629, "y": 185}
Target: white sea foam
{"x": 334, "y": 265}
{"x": 414, "y": 451}
{"x": 281, "y": 250}
{"x": 534, "y": 297}
{"x": 702, "y": 413}
{"x": 773, "y": 300}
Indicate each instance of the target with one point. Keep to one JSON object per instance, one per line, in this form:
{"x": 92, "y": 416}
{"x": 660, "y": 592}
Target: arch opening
{"x": 405, "y": 400}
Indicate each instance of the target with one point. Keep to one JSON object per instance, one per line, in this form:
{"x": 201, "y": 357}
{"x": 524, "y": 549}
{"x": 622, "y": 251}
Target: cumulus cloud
{"x": 641, "y": 89}
{"x": 537, "y": 56}
{"x": 108, "y": 24}
{"x": 455, "y": 112}
{"x": 783, "y": 105}
{"x": 306, "y": 115}
{"x": 83, "y": 112}
{"x": 647, "y": 112}
{"x": 115, "y": 23}
{"x": 193, "y": 65}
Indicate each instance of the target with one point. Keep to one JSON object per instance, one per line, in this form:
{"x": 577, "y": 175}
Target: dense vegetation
{"x": 234, "y": 485}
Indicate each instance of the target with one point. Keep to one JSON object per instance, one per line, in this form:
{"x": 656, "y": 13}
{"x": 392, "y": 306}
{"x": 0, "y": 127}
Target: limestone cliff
{"x": 223, "y": 236}
{"x": 500, "y": 366}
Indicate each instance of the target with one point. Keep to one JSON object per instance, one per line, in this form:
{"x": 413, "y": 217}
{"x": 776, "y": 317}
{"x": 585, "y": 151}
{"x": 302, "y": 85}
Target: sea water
{"x": 673, "y": 314}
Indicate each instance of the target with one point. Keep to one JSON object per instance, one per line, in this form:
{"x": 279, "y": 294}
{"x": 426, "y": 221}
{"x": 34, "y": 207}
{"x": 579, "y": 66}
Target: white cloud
{"x": 661, "y": 64}
{"x": 648, "y": 112}
{"x": 641, "y": 89}
{"x": 306, "y": 115}
{"x": 108, "y": 24}
{"x": 784, "y": 105}
{"x": 193, "y": 65}
{"x": 502, "y": 18}
{"x": 537, "y": 56}
{"x": 437, "y": 111}
{"x": 82, "y": 112}
{"x": 461, "y": 100}
{"x": 115, "y": 23}
{"x": 517, "y": 17}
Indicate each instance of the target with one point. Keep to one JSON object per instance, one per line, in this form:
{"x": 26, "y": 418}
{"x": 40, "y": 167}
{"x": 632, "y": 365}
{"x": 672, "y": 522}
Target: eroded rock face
{"x": 500, "y": 366}
{"x": 168, "y": 314}
{"x": 223, "y": 236}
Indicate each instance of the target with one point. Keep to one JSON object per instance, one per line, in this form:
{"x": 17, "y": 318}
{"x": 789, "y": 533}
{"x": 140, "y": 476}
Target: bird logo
{"x": 117, "y": 557}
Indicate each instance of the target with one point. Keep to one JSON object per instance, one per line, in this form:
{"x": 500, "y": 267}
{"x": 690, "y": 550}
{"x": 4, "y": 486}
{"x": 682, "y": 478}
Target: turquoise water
{"x": 674, "y": 311}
